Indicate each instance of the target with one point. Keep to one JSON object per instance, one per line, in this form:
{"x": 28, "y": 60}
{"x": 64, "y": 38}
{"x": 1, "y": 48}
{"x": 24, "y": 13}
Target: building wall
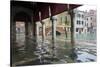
{"x": 79, "y": 22}
{"x": 91, "y": 21}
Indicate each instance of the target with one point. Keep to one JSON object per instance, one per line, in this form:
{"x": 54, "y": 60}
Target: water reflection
{"x": 65, "y": 52}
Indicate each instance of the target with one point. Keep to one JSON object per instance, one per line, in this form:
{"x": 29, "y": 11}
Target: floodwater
{"x": 63, "y": 52}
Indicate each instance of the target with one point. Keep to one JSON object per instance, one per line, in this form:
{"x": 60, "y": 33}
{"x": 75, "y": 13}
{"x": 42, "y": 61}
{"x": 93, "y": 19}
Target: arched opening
{"x": 20, "y": 30}
{"x": 20, "y": 33}
{"x": 21, "y": 20}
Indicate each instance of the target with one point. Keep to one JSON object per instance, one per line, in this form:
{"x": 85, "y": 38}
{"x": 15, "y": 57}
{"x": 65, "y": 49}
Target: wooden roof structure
{"x": 43, "y": 7}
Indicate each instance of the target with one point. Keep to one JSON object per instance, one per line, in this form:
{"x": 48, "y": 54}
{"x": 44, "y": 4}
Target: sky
{"x": 87, "y": 7}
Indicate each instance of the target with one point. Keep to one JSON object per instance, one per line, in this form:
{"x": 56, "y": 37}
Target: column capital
{"x": 53, "y": 18}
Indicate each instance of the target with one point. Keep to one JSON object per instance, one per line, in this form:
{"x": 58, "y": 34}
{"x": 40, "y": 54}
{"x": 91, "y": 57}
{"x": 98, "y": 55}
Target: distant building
{"x": 79, "y": 22}
{"x": 84, "y": 24}
{"x": 91, "y": 21}
{"x": 60, "y": 23}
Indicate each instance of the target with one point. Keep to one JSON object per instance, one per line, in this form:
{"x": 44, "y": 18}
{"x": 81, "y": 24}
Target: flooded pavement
{"x": 85, "y": 57}
{"x": 81, "y": 54}
{"x": 86, "y": 53}
{"x": 84, "y": 49}
{"x": 64, "y": 52}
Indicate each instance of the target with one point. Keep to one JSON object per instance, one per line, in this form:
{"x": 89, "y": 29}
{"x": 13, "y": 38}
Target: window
{"x": 88, "y": 30}
{"x": 91, "y": 18}
{"x": 76, "y": 29}
{"x": 82, "y": 29}
{"x": 82, "y": 22}
{"x": 91, "y": 24}
{"x": 79, "y": 23}
{"x": 82, "y": 16}
{"x": 87, "y": 19}
{"x": 85, "y": 23}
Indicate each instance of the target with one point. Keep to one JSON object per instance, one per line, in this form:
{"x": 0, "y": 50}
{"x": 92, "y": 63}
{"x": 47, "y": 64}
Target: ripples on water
{"x": 65, "y": 54}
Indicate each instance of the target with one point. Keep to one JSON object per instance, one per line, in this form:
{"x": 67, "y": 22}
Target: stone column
{"x": 54, "y": 35}
{"x": 54, "y": 29}
{"x": 30, "y": 39}
{"x": 43, "y": 31}
{"x": 72, "y": 27}
{"x": 34, "y": 35}
{"x": 30, "y": 29}
{"x": 26, "y": 30}
{"x": 72, "y": 53}
{"x": 53, "y": 20}
{"x": 26, "y": 40}
{"x": 37, "y": 32}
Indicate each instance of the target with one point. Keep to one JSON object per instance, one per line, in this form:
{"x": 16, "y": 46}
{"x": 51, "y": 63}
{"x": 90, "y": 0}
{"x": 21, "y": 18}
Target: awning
{"x": 43, "y": 7}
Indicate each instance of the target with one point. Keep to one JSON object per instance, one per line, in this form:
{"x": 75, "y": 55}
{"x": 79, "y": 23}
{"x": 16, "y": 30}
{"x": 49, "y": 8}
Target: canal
{"x": 64, "y": 52}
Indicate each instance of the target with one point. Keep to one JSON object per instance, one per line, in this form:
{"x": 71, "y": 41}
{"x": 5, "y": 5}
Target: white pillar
{"x": 54, "y": 35}
{"x": 53, "y": 20}
{"x": 54, "y": 29}
{"x": 72, "y": 27}
{"x": 37, "y": 32}
{"x": 43, "y": 27}
{"x": 43, "y": 33}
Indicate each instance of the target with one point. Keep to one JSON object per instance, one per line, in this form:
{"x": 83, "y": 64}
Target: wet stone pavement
{"x": 86, "y": 53}
{"x": 64, "y": 52}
